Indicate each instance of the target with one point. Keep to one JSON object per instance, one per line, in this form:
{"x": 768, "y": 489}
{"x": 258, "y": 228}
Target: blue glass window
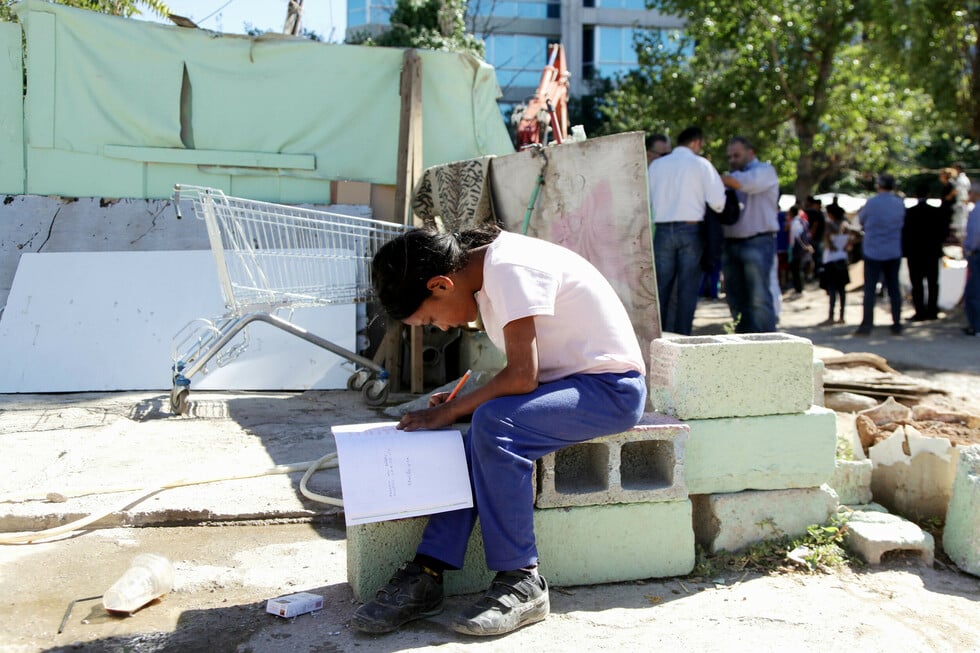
{"x": 516, "y": 8}
{"x": 621, "y": 4}
{"x": 518, "y": 59}
{"x": 356, "y": 12}
{"x": 614, "y": 50}
{"x": 364, "y": 12}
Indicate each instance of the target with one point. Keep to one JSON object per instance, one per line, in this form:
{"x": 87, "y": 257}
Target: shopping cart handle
{"x": 176, "y": 200}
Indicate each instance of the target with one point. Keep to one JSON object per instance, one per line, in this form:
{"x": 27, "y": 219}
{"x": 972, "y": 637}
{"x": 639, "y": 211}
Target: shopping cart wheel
{"x": 178, "y": 399}
{"x": 358, "y": 380}
{"x": 375, "y": 392}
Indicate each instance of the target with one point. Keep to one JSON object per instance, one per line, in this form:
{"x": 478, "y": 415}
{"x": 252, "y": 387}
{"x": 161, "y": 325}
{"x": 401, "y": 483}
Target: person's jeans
{"x": 971, "y": 294}
{"x": 924, "y": 276}
{"x": 505, "y": 438}
{"x": 747, "y": 266}
{"x": 677, "y": 249}
{"x": 873, "y": 271}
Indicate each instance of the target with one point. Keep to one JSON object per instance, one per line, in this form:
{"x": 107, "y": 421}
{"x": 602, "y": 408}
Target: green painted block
{"x": 761, "y": 453}
{"x": 961, "y": 536}
{"x": 577, "y": 546}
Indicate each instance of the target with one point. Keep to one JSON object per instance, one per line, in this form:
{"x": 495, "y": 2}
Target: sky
{"x": 328, "y": 18}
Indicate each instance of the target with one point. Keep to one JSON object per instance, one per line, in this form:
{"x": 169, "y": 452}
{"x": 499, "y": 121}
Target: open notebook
{"x": 390, "y": 474}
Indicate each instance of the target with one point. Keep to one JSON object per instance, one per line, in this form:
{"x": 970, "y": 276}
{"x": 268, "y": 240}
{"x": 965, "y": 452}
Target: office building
{"x": 597, "y": 36}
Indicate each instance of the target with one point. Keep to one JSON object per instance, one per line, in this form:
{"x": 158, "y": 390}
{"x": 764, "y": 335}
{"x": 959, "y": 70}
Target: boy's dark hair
{"x": 690, "y": 134}
{"x": 402, "y": 268}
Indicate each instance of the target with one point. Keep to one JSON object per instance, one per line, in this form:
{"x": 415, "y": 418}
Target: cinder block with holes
{"x": 644, "y": 464}
{"x": 704, "y": 377}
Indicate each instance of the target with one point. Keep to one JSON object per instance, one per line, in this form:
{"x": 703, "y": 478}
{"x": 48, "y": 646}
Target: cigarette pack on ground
{"x": 294, "y": 604}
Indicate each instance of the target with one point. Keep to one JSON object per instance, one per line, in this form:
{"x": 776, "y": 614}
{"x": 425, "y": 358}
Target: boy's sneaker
{"x": 412, "y": 593}
{"x": 515, "y": 599}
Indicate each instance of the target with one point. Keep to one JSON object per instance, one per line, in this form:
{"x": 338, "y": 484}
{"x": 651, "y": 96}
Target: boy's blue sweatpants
{"x": 506, "y": 436}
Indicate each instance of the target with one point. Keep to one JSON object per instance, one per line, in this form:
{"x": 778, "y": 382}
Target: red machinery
{"x": 549, "y": 104}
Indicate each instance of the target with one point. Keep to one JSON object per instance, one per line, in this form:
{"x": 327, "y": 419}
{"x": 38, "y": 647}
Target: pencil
{"x": 459, "y": 386}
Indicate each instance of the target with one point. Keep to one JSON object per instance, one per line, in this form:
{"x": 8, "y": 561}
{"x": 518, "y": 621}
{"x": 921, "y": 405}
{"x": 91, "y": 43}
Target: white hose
{"x": 328, "y": 461}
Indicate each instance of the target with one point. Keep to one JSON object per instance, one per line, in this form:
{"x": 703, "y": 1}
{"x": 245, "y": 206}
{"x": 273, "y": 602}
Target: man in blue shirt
{"x": 971, "y": 249}
{"x": 882, "y": 218}
{"x": 750, "y": 243}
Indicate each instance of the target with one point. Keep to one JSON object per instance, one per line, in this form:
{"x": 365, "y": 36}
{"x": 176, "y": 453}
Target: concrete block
{"x": 919, "y": 483}
{"x": 871, "y": 534}
{"x": 818, "y": 393}
{"x": 760, "y": 453}
{"x": 852, "y": 482}
{"x": 961, "y": 537}
{"x": 577, "y": 546}
{"x": 643, "y": 464}
{"x": 703, "y": 377}
{"x": 730, "y": 522}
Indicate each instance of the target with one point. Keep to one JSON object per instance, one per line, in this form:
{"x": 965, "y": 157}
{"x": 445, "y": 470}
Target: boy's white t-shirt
{"x": 582, "y": 326}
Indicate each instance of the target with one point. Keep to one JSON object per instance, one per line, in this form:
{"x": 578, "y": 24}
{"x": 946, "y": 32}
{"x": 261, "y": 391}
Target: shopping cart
{"x": 271, "y": 259}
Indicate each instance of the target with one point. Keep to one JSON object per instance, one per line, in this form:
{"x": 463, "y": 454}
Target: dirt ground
{"x": 225, "y": 574}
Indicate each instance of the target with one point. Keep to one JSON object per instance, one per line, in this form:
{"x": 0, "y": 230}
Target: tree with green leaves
{"x": 115, "y": 7}
{"x": 937, "y": 41}
{"x": 428, "y": 24}
{"x": 794, "y": 76}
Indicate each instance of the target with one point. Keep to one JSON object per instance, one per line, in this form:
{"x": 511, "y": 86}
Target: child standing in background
{"x": 835, "y": 276}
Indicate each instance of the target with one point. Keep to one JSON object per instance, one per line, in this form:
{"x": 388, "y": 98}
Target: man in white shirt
{"x": 961, "y": 208}
{"x": 680, "y": 186}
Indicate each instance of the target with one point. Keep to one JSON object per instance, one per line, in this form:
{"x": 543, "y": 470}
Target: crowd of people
{"x": 700, "y": 241}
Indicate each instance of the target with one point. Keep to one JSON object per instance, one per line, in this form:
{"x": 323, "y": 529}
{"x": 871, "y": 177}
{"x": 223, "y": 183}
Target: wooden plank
{"x": 409, "y": 171}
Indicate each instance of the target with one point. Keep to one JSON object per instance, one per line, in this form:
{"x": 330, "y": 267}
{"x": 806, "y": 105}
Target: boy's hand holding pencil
{"x": 443, "y": 397}
{"x": 427, "y": 418}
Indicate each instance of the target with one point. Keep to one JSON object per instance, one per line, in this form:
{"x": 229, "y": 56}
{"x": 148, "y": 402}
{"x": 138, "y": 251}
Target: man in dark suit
{"x": 922, "y": 244}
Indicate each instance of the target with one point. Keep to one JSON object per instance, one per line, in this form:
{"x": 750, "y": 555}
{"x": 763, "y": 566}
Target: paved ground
{"x": 258, "y": 538}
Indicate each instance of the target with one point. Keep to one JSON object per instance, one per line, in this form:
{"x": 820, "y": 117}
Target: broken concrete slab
{"x": 872, "y": 534}
{"x": 643, "y": 464}
{"x": 577, "y": 546}
{"x": 913, "y": 474}
{"x": 733, "y": 521}
{"x": 772, "y": 452}
{"x": 961, "y": 536}
{"x": 852, "y": 481}
{"x": 848, "y": 402}
{"x": 704, "y": 377}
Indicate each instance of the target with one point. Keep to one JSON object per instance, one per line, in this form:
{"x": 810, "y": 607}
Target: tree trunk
{"x": 804, "y": 165}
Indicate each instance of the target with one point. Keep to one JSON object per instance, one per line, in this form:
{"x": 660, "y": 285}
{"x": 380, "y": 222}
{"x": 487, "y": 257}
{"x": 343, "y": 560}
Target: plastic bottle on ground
{"x": 150, "y": 576}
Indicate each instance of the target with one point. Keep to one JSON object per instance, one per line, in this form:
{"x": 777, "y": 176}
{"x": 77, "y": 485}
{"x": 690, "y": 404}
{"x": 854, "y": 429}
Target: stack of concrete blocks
{"x": 759, "y": 452}
{"x": 611, "y": 509}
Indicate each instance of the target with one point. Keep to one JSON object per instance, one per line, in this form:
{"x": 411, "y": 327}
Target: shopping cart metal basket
{"x": 271, "y": 259}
